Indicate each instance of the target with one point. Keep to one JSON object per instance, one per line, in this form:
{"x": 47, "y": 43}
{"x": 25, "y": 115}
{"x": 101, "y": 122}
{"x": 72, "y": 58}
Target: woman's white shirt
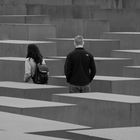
{"x": 30, "y": 67}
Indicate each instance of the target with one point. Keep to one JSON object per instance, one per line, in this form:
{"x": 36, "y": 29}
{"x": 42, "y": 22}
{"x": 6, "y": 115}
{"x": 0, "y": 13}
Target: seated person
{"x": 33, "y": 57}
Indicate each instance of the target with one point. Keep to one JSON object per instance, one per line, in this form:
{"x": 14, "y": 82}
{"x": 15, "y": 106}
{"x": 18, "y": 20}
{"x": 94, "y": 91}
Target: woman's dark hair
{"x": 34, "y": 52}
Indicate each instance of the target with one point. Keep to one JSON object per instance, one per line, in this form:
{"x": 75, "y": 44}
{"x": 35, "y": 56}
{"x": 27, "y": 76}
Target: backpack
{"x": 41, "y": 74}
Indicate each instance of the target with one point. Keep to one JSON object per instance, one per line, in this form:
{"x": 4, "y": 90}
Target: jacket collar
{"x": 79, "y": 46}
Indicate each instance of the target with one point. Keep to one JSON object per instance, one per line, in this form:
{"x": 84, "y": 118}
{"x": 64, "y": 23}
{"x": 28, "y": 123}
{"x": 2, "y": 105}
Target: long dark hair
{"x": 34, "y": 52}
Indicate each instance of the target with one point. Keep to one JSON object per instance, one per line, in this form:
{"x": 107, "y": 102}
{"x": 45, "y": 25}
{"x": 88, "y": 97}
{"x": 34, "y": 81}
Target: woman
{"x": 33, "y": 57}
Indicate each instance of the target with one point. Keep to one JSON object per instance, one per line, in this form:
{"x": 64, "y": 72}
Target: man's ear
{"x": 74, "y": 44}
{"x": 83, "y": 43}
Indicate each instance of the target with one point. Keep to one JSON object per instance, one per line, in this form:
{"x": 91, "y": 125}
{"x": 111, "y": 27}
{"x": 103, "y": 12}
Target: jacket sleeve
{"x": 92, "y": 68}
{"x": 67, "y": 68}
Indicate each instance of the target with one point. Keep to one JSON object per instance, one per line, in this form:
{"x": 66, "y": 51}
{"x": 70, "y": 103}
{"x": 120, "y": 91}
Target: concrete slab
{"x": 120, "y": 17}
{"x": 29, "y": 90}
{"x": 25, "y": 124}
{"x": 18, "y": 48}
{"x": 101, "y": 4}
{"x": 99, "y": 47}
{"x": 50, "y": 2}
{"x": 133, "y": 54}
{"x": 111, "y": 66}
{"x": 26, "y": 31}
{"x": 17, "y": 68}
{"x": 12, "y": 8}
{"x": 89, "y": 28}
{"x": 104, "y": 65}
{"x": 128, "y": 40}
{"x": 16, "y": 136}
{"x": 127, "y": 133}
{"x": 42, "y": 109}
{"x": 102, "y": 110}
{"x": 108, "y": 4}
{"x": 82, "y": 10}
{"x": 109, "y": 84}
{"x": 132, "y": 71}
{"x": 28, "y": 103}
{"x": 85, "y": 98}
{"x": 32, "y": 19}
{"x": 12, "y": 2}
{"x": 65, "y": 11}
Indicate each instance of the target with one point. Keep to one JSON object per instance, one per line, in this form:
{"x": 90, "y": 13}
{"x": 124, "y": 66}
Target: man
{"x": 79, "y": 67}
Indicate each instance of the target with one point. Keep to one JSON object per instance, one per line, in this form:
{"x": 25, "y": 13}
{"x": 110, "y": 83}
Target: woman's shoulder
{"x": 30, "y": 61}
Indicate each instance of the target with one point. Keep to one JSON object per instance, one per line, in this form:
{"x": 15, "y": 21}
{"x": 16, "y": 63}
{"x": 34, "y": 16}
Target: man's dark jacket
{"x": 79, "y": 67}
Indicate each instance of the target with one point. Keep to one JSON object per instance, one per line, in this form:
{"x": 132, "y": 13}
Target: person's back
{"x": 79, "y": 67}
{"x": 30, "y": 67}
{"x": 33, "y": 58}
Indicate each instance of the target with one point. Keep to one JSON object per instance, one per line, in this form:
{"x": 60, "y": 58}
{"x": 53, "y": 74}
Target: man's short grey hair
{"x": 79, "y": 40}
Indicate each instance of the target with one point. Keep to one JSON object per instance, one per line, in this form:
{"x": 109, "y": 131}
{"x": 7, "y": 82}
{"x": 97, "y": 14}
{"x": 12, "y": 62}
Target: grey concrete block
{"x": 111, "y": 133}
{"x": 89, "y": 28}
{"x": 104, "y": 65}
{"x": 98, "y": 47}
{"x": 128, "y": 40}
{"x": 131, "y": 71}
{"x": 18, "y": 48}
{"x": 119, "y": 19}
{"x": 133, "y": 54}
{"x": 29, "y": 90}
{"x": 101, "y": 4}
{"x": 26, "y": 31}
{"x": 102, "y": 110}
{"x": 13, "y": 68}
{"x": 9, "y": 122}
{"x": 36, "y": 108}
{"x": 109, "y": 84}
{"x": 67, "y": 11}
{"x": 16, "y": 136}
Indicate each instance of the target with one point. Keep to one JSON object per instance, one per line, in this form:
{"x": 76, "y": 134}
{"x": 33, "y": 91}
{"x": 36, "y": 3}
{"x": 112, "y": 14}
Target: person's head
{"x": 34, "y": 52}
{"x": 79, "y": 41}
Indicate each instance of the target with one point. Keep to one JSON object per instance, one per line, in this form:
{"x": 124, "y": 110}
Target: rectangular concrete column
{"x": 26, "y": 31}
{"x": 128, "y": 40}
{"x": 109, "y": 84}
{"x": 98, "y": 47}
{"x": 101, "y": 110}
{"x": 29, "y": 90}
{"x": 18, "y": 48}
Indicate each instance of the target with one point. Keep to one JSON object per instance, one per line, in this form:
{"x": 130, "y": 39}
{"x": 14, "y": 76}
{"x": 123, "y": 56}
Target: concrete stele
{"x": 21, "y": 124}
{"x": 16, "y": 136}
{"x": 28, "y": 103}
{"x": 126, "y": 133}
